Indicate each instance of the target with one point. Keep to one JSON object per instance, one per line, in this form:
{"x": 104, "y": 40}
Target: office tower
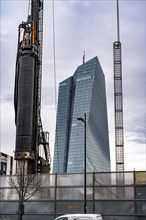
{"x": 83, "y": 93}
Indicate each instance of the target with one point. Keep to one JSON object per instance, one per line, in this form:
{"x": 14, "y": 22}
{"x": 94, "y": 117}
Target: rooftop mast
{"x": 84, "y": 57}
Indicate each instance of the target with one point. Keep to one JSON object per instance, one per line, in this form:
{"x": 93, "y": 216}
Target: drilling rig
{"x": 30, "y": 137}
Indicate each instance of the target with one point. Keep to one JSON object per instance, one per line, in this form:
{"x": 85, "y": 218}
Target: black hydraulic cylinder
{"x": 26, "y": 107}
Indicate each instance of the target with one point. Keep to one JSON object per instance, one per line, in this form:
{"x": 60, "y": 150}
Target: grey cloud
{"x": 138, "y": 141}
{"x": 8, "y": 98}
{"x": 136, "y": 130}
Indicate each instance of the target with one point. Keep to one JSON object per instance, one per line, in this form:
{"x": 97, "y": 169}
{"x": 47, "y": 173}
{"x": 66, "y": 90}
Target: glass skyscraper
{"x": 82, "y": 93}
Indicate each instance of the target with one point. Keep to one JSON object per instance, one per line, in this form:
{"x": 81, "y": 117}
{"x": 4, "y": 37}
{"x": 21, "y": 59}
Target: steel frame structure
{"x": 118, "y": 102}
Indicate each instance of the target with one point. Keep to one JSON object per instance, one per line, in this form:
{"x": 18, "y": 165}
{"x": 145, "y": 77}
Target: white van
{"x": 80, "y": 217}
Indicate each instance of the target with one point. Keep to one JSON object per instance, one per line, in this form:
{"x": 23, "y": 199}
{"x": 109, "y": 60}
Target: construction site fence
{"x": 116, "y": 196}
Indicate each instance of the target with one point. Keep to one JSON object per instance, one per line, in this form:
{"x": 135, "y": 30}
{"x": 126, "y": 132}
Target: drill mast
{"x": 27, "y": 98}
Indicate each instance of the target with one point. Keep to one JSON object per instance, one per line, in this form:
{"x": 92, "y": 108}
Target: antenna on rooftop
{"x": 83, "y": 56}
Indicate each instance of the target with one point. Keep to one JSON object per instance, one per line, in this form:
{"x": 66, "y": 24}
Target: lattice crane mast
{"x": 118, "y": 105}
{"x": 27, "y": 95}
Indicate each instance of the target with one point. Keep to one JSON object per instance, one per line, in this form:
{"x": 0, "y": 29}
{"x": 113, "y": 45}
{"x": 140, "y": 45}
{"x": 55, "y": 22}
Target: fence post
{"x": 135, "y": 203}
{"x": 93, "y": 192}
{"x": 55, "y": 194}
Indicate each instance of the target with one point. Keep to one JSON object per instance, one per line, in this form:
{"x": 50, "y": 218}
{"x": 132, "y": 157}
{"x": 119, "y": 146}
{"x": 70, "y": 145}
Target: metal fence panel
{"x": 140, "y": 192}
{"x": 39, "y": 207}
{"x": 9, "y": 207}
{"x": 141, "y": 208}
{"x": 28, "y": 217}
{"x": 116, "y": 217}
{"x": 46, "y": 193}
{"x": 116, "y": 207}
{"x": 72, "y": 207}
{"x": 108, "y": 192}
{"x": 65, "y": 194}
{"x": 73, "y": 193}
{"x": 74, "y": 179}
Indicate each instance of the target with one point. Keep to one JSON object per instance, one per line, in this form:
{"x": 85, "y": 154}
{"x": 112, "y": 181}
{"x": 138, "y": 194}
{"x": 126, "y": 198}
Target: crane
{"x": 30, "y": 136}
{"x": 118, "y": 105}
{"x": 118, "y": 100}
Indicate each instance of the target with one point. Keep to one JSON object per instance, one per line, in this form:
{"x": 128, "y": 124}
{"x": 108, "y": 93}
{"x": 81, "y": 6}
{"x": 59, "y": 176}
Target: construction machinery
{"x": 118, "y": 100}
{"x": 30, "y": 137}
{"x": 118, "y": 104}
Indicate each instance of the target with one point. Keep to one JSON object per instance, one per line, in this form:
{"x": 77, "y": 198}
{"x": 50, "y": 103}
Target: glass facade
{"x": 82, "y": 93}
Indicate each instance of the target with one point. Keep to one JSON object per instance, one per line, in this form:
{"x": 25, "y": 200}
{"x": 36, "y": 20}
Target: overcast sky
{"x": 80, "y": 25}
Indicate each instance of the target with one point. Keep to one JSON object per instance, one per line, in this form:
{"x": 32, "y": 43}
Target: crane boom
{"x": 27, "y": 96}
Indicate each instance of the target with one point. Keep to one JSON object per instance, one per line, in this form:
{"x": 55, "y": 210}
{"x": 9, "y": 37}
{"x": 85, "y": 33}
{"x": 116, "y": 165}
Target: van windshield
{"x": 63, "y": 218}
